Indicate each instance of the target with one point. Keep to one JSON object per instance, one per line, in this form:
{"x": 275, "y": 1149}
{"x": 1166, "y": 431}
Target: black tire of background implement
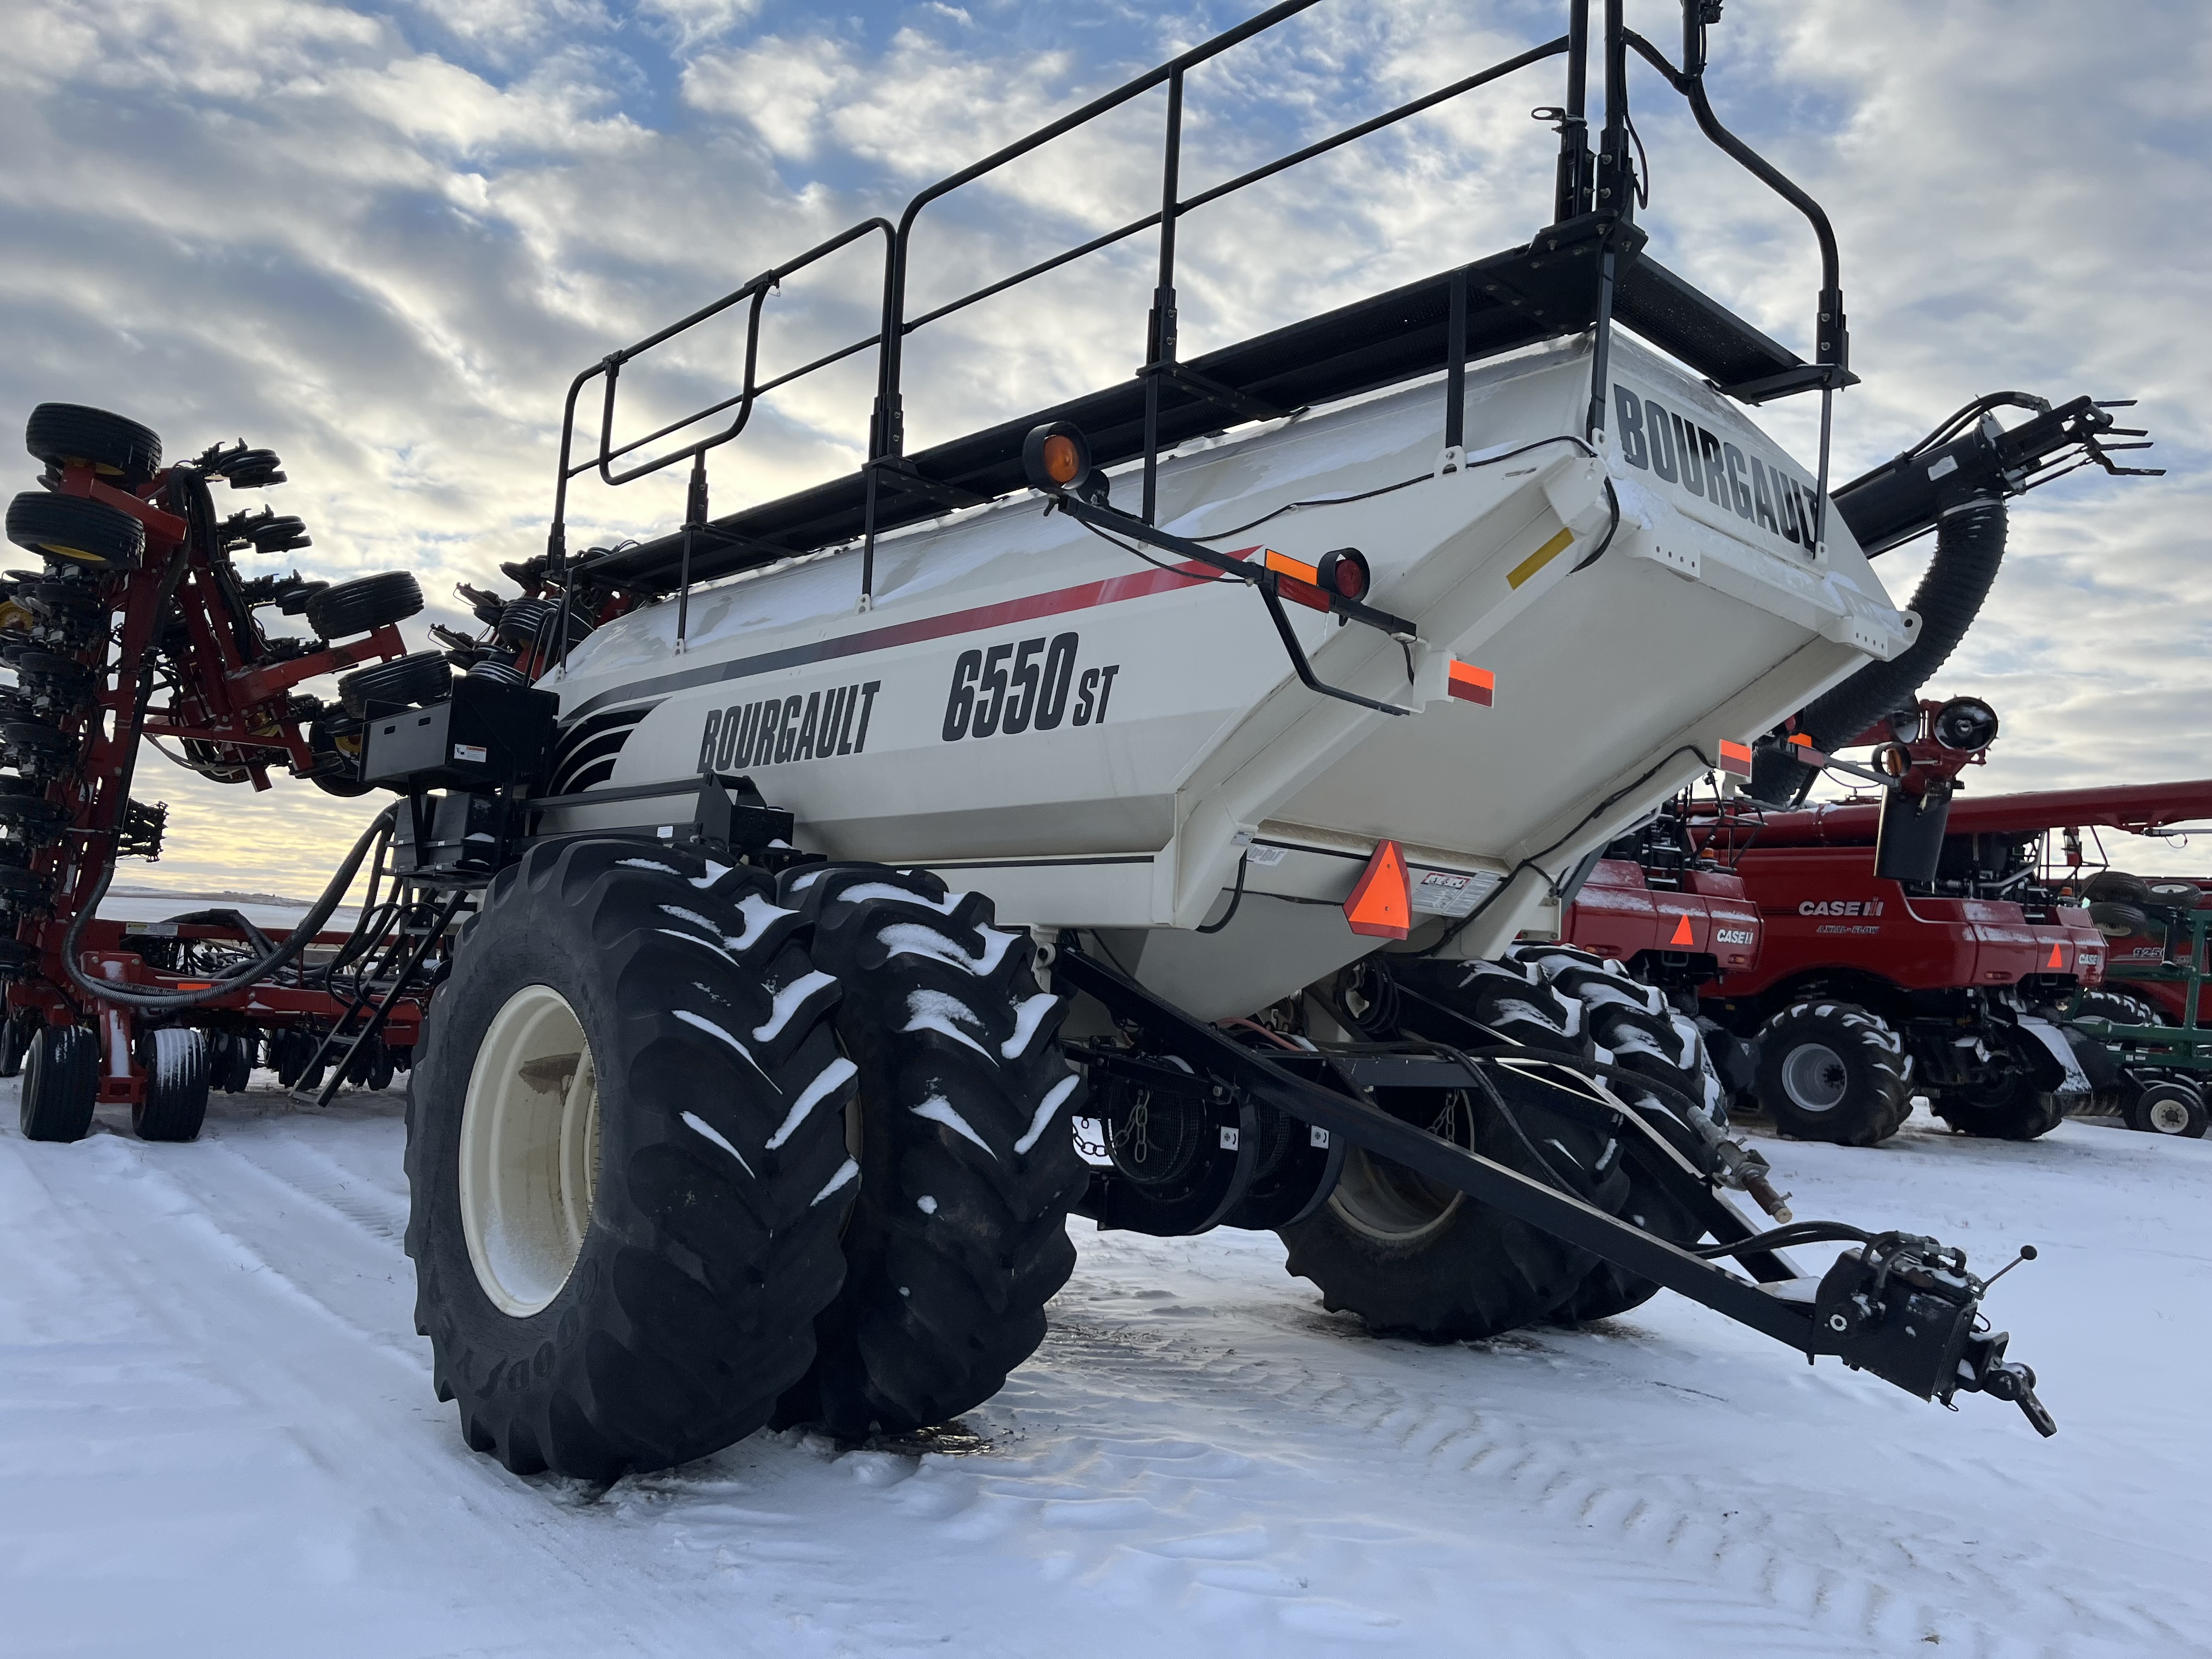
{"x": 691, "y": 1307}
{"x": 2137, "y": 1116}
{"x": 36, "y": 739}
{"x": 423, "y": 678}
{"x": 937, "y": 1306}
{"x": 15, "y": 1034}
{"x": 1878, "y": 1097}
{"x": 61, "y": 1081}
{"x": 2012, "y": 1110}
{"x": 2117, "y": 887}
{"x": 174, "y": 1104}
{"x": 59, "y": 432}
{"x": 18, "y": 882}
{"x": 102, "y": 537}
{"x": 364, "y": 605}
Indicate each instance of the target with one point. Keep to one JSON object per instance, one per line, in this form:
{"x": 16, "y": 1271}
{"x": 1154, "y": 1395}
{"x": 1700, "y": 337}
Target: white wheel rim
{"x": 2168, "y": 1116}
{"x": 1815, "y": 1077}
{"x": 529, "y": 1151}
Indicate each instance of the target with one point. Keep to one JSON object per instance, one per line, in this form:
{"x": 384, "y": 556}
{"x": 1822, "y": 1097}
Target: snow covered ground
{"x": 218, "y": 1436}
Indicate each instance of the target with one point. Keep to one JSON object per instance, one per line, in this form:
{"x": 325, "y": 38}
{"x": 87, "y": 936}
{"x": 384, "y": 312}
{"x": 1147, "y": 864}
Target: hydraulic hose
{"x": 238, "y": 978}
{"x": 1970, "y": 545}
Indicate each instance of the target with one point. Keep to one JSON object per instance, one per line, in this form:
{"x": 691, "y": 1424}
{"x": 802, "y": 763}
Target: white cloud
{"x": 383, "y": 244}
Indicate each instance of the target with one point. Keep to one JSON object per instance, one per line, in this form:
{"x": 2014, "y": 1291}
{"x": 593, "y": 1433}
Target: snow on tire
{"x": 626, "y": 1152}
{"x": 1511, "y": 999}
{"x": 966, "y": 1148}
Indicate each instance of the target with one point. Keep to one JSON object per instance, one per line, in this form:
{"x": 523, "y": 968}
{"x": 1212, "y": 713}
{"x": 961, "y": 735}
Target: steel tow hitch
{"x": 1905, "y": 1307}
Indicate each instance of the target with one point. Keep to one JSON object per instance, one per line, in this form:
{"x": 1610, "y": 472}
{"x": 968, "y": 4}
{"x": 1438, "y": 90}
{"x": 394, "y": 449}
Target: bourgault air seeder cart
{"x": 1105, "y": 812}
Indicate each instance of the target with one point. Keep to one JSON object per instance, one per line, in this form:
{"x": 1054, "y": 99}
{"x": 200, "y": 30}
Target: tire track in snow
{"x": 1894, "y": 1578}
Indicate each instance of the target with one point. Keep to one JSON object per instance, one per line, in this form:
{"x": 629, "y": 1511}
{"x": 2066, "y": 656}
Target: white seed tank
{"x": 1099, "y": 741}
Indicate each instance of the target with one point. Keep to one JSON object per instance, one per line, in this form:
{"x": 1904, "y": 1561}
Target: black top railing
{"x": 1582, "y": 273}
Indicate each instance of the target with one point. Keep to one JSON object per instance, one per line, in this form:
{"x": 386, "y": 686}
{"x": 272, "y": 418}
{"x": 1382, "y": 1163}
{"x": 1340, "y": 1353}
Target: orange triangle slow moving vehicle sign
{"x": 1381, "y": 904}
{"x": 2056, "y": 960}
{"x": 1682, "y": 934}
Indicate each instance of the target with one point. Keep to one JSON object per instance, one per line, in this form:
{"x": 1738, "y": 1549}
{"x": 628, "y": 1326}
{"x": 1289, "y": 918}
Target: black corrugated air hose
{"x": 1970, "y": 544}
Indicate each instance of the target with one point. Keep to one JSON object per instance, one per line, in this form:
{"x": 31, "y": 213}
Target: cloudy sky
{"x": 381, "y": 238}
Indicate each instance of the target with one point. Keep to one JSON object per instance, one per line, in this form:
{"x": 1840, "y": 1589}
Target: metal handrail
{"x": 886, "y": 434}
{"x": 1602, "y": 184}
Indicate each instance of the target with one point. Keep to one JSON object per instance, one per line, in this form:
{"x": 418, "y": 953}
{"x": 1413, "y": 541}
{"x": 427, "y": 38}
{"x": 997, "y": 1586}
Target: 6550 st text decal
{"x": 1017, "y": 687}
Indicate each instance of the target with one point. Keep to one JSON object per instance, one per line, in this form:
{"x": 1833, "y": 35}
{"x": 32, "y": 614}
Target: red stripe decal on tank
{"x": 1086, "y": 596}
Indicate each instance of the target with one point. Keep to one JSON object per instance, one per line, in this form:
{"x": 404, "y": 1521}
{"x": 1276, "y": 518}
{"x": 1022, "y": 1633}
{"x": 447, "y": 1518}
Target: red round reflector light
{"x": 1344, "y": 574}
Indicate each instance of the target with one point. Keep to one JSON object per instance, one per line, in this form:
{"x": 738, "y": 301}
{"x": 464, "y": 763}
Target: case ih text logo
{"x": 1656, "y": 440}
{"x": 795, "y": 728}
{"x": 1840, "y": 908}
{"x": 1015, "y": 688}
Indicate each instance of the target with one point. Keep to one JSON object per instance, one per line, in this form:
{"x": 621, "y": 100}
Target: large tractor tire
{"x": 1834, "y": 1071}
{"x": 968, "y": 1161}
{"x": 1633, "y": 1023}
{"x": 61, "y": 1081}
{"x": 1415, "y": 1258}
{"x": 174, "y": 1105}
{"x": 59, "y": 434}
{"x": 1634, "y": 1027}
{"x": 1511, "y": 999}
{"x": 626, "y": 1151}
{"x": 77, "y": 530}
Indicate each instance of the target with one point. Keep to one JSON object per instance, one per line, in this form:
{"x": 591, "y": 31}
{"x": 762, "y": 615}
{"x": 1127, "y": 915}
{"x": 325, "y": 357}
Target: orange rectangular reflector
{"x": 1802, "y": 740}
{"x": 1296, "y": 569}
{"x": 1736, "y": 758}
{"x": 1382, "y": 904}
{"x": 1472, "y": 685}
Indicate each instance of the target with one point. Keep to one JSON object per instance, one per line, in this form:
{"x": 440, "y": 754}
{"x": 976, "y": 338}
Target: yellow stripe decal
{"x": 1542, "y": 556}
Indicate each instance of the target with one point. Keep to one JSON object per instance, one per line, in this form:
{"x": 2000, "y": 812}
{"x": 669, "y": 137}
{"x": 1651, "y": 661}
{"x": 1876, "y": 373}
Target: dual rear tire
{"x": 674, "y": 1179}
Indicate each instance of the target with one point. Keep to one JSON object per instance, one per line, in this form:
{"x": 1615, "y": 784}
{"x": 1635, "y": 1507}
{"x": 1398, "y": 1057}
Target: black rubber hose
{"x": 238, "y": 978}
{"x": 1970, "y": 544}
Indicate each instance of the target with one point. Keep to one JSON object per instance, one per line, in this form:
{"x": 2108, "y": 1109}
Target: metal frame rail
{"x": 1585, "y": 271}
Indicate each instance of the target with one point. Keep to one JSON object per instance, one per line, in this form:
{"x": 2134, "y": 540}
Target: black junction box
{"x": 483, "y": 736}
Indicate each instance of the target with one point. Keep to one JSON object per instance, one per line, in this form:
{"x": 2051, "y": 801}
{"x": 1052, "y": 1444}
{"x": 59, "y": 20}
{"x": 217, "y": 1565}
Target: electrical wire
{"x": 1587, "y": 820}
{"x": 1403, "y": 483}
{"x": 1173, "y": 570}
{"x": 1236, "y": 898}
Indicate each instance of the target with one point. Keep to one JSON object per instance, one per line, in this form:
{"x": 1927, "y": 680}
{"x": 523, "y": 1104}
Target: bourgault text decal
{"x": 1024, "y": 686}
{"x": 1680, "y": 452}
{"x": 776, "y": 730}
